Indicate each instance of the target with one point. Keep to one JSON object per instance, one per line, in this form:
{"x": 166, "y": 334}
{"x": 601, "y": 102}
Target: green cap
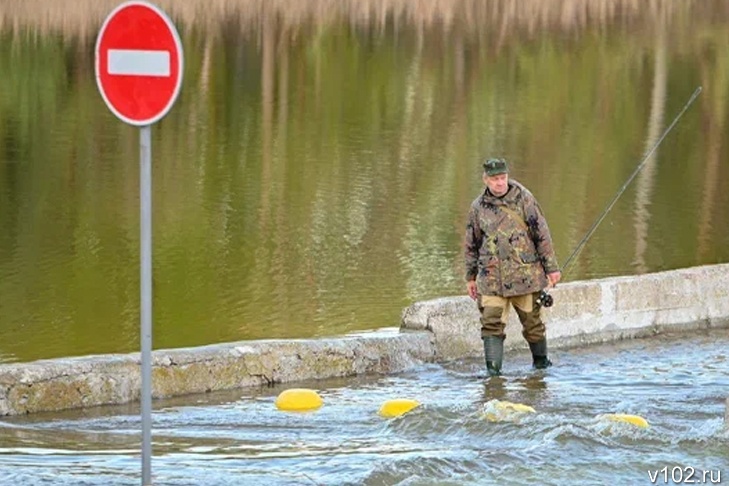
{"x": 494, "y": 167}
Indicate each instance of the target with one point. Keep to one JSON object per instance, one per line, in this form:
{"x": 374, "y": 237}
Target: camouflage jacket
{"x": 508, "y": 246}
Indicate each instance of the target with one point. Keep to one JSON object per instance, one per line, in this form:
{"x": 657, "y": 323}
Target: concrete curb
{"x": 590, "y": 312}
{"x": 57, "y": 384}
{"x": 436, "y": 330}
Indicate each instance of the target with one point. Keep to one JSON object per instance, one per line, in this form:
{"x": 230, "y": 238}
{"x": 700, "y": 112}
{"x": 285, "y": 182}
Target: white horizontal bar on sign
{"x": 125, "y": 62}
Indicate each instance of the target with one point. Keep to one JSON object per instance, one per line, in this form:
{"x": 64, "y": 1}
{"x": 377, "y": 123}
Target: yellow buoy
{"x": 498, "y": 410}
{"x": 515, "y": 407}
{"x": 636, "y": 420}
{"x": 397, "y": 407}
{"x": 298, "y": 400}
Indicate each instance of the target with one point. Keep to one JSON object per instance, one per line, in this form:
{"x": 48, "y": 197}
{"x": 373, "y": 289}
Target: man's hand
{"x": 472, "y": 290}
{"x": 554, "y": 277}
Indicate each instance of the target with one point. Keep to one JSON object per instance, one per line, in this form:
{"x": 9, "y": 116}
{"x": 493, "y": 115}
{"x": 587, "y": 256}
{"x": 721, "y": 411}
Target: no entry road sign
{"x": 139, "y": 73}
{"x": 138, "y": 63}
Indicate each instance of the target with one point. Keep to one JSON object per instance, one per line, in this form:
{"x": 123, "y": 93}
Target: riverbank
{"x": 584, "y": 313}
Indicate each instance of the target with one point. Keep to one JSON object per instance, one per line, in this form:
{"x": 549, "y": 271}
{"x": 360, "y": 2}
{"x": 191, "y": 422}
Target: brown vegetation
{"x": 82, "y": 17}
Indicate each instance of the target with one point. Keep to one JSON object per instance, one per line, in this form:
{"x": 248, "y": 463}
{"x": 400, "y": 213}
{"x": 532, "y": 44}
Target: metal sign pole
{"x": 138, "y": 61}
{"x": 145, "y": 240}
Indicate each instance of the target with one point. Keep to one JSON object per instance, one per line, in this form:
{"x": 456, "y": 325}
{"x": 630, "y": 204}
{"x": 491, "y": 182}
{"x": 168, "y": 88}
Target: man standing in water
{"x": 509, "y": 260}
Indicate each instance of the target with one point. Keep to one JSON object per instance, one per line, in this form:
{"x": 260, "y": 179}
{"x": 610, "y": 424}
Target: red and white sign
{"x": 139, "y": 63}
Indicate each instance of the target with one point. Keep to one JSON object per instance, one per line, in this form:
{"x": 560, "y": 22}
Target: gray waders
{"x": 493, "y": 350}
{"x": 539, "y": 354}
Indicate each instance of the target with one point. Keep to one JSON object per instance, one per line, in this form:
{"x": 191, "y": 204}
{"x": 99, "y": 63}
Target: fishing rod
{"x": 545, "y": 299}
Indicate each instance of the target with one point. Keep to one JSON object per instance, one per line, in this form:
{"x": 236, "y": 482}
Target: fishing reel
{"x": 544, "y": 300}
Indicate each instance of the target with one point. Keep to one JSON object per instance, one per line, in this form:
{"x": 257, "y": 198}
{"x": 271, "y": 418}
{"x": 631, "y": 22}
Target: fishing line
{"x": 547, "y": 300}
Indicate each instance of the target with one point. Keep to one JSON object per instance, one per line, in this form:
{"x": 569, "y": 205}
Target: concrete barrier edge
{"x": 587, "y": 312}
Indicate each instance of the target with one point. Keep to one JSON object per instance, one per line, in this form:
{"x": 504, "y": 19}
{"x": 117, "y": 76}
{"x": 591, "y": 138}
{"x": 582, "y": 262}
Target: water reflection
{"x": 314, "y": 175}
{"x": 645, "y": 181}
{"x": 529, "y": 388}
{"x": 495, "y": 389}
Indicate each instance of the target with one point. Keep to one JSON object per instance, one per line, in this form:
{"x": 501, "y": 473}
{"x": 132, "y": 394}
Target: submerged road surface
{"x": 678, "y": 383}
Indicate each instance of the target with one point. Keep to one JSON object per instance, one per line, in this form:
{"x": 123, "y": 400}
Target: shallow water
{"x": 678, "y": 383}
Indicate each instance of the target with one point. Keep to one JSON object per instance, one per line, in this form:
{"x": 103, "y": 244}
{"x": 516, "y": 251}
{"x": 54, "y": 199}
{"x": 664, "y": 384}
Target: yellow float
{"x": 498, "y": 410}
{"x": 636, "y": 420}
{"x": 397, "y": 407}
{"x": 298, "y": 400}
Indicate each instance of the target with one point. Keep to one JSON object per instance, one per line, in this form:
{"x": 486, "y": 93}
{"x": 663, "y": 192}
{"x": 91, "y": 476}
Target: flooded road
{"x": 678, "y": 383}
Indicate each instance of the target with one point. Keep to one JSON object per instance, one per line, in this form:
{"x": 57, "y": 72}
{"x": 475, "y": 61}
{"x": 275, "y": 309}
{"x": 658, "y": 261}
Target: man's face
{"x": 498, "y": 184}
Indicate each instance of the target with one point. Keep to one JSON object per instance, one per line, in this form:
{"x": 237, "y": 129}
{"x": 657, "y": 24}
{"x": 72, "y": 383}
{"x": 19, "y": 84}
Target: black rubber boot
{"x": 539, "y": 354}
{"x": 493, "y": 350}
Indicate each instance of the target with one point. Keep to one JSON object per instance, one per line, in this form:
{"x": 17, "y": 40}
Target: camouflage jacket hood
{"x": 508, "y": 246}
